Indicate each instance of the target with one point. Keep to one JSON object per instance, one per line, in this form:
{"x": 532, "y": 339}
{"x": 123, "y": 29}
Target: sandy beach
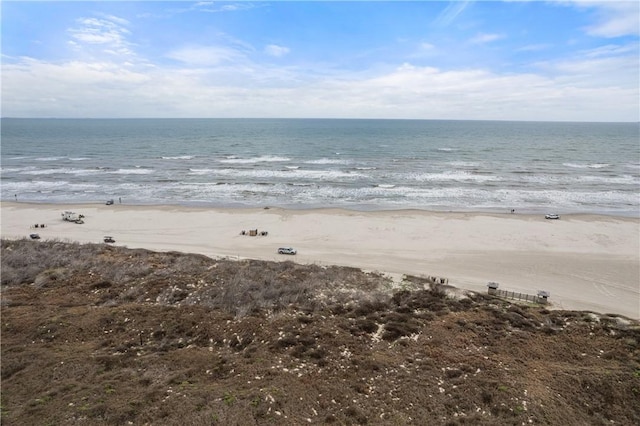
{"x": 586, "y": 262}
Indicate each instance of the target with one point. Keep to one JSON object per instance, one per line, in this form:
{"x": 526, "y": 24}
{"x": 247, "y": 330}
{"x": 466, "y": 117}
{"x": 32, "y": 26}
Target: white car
{"x": 551, "y": 216}
{"x": 286, "y": 250}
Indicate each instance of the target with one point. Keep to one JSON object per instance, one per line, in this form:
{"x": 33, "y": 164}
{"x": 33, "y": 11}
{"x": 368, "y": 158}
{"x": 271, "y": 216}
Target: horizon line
{"x": 317, "y": 118}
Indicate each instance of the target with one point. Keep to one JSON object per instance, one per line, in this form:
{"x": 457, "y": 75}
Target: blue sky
{"x": 511, "y": 60}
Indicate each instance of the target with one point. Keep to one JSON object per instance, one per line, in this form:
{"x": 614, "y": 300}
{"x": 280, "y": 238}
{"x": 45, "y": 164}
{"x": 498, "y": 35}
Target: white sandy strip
{"x": 585, "y": 262}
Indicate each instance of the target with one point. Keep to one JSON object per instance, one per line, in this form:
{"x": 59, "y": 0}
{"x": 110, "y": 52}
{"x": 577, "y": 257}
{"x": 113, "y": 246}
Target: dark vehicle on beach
{"x": 34, "y": 236}
{"x": 108, "y": 239}
{"x": 286, "y": 250}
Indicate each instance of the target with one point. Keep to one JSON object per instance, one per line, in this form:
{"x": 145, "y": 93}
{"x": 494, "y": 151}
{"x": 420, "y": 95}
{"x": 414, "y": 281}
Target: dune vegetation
{"x": 97, "y": 334}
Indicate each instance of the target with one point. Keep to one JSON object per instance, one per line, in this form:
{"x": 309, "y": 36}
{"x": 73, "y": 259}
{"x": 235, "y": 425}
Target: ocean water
{"x": 438, "y": 165}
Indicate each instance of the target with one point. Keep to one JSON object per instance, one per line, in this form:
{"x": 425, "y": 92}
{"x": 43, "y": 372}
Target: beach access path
{"x": 586, "y": 262}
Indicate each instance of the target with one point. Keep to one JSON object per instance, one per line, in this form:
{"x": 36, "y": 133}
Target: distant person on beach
{"x": 120, "y": 200}
{"x": 16, "y": 195}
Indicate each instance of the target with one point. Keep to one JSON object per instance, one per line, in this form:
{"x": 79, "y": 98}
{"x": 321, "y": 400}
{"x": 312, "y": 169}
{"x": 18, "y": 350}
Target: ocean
{"x": 437, "y": 165}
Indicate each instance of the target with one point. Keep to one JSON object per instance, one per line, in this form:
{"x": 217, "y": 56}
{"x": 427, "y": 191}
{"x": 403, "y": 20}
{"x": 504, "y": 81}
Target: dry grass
{"x": 96, "y": 334}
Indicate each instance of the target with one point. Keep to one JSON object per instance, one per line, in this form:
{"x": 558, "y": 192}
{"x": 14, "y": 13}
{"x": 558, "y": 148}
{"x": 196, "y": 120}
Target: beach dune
{"x": 586, "y": 262}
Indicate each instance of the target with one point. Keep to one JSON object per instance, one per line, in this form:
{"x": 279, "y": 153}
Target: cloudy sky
{"x": 511, "y": 60}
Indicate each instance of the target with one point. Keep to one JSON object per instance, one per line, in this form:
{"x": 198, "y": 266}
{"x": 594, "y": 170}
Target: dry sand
{"x": 586, "y": 262}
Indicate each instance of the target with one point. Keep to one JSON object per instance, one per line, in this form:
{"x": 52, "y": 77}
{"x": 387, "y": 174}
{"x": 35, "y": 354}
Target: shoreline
{"x": 586, "y": 261}
{"x": 633, "y": 215}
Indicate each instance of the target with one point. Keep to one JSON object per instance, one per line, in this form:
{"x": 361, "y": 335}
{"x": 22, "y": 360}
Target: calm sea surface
{"x": 356, "y": 164}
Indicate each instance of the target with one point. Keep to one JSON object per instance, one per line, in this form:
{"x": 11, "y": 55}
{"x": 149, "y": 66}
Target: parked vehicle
{"x": 287, "y": 250}
{"x": 72, "y": 217}
{"x": 109, "y": 202}
{"x": 551, "y": 216}
{"x": 34, "y": 236}
{"x": 108, "y": 239}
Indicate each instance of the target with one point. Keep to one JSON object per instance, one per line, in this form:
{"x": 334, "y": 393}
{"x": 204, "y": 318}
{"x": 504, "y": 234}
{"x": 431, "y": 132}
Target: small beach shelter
{"x": 543, "y": 296}
{"x": 493, "y": 287}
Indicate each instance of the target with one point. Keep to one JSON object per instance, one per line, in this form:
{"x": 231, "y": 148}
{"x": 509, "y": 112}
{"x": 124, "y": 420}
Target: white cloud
{"x": 426, "y": 92}
{"x": 117, "y": 20}
{"x": 108, "y": 33}
{"x": 533, "y": 47}
{"x": 451, "y": 12}
{"x": 205, "y": 55}
{"x": 73, "y": 88}
{"x": 613, "y": 50}
{"x": 98, "y": 31}
{"x": 615, "y": 18}
{"x": 423, "y": 50}
{"x": 597, "y": 71}
{"x": 212, "y": 7}
{"x": 485, "y": 38}
{"x": 600, "y": 89}
{"x": 275, "y": 50}
{"x": 604, "y": 66}
{"x": 222, "y": 81}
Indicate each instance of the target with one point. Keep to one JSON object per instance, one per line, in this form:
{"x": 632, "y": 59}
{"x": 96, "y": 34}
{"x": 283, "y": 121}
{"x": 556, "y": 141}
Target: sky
{"x": 467, "y": 60}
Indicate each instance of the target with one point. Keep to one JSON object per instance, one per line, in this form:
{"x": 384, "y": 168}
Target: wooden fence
{"x": 520, "y": 296}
